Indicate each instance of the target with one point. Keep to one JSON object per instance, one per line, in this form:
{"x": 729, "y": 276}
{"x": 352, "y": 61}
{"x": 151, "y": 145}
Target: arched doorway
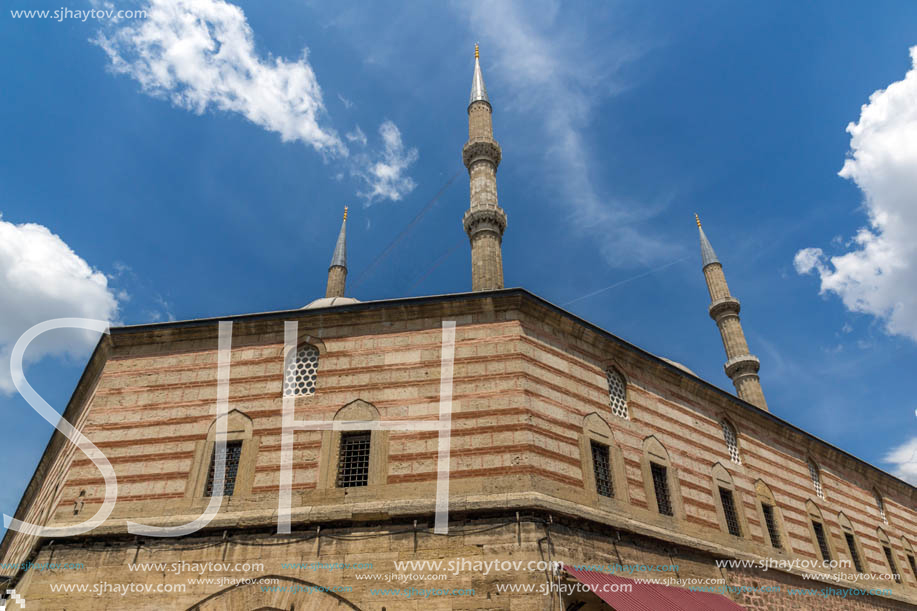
{"x": 285, "y": 594}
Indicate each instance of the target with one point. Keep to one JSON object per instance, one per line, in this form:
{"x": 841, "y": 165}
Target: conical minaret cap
{"x": 706, "y": 250}
{"x": 339, "y": 259}
{"x": 478, "y": 90}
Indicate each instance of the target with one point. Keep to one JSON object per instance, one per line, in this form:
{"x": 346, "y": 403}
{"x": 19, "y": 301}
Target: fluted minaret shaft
{"x": 741, "y": 366}
{"x": 337, "y": 272}
{"x": 484, "y": 221}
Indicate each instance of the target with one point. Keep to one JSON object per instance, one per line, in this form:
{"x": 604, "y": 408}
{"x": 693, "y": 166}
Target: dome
{"x": 679, "y": 365}
{"x": 330, "y": 302}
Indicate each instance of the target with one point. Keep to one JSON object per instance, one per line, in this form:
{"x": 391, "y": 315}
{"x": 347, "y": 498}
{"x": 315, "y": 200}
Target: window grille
{"x": 913, "y": 563}
{"x": 771, "y": 522}
{"x": 891, "y": 562}
{"x": 617, "y": 393}
{"x": 729, "y": 511}
{"x": 661, "y": 486}
{"x": 732, "y": 442}
{"x": 822, "y": 540}
{"x": 353, "y": 461}
{"x": 854, "y": 555}
{"x": 233, "y": 452}
{"x": 881, "y": 506}
{"x": 300, "y": 371}
{"x": 816, "y": 480}
{"x": 601, "y": 463}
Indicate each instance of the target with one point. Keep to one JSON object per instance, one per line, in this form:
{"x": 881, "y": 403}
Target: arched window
{"x": 821, "y": 537}
{"x": 617, "y": 392}
{"x": 815, "y": 474}
{"x": 240, "y": 453}
{"x": 880, "y": 505}
{"x": 770, "y": 512}
{"x": 602, "y": 461}
{"x": 732, "y": 441}
{"x": 300, "y": 371}
{"x": 728, "y": 502}
{"x": 660, "y": 479}
{"x": 853, "y": 546}
{"x": 889, "y": 555}
{"x": 357, "y": 455}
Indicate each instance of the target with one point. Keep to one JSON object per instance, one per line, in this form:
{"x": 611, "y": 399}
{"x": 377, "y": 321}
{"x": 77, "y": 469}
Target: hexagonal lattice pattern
{"x": 816, "y": 480}
{"x": 301, "y": 371}
{"x": 617, "y": 393}
{"x": 732, "y": 443}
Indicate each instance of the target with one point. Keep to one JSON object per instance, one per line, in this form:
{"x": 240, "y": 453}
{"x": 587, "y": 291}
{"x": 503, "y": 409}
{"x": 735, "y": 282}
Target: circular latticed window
{"x": 617, "y": 393}
{"x": 301, "y": 372}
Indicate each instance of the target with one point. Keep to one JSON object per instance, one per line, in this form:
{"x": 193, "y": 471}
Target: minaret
{"x": 485, "y": 220}
{"x": 741, "y": 366}
{"x": 337, "y": 272}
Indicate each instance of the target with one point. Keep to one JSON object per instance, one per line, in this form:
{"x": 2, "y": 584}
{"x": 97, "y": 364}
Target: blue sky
{"x": 196, "y": 163}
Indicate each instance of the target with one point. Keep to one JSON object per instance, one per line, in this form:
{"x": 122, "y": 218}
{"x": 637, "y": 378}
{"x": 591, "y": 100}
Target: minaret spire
{"x": 337, "y": 272}
{"x": 741, "y": 366}
{"x": 485, "y": 220}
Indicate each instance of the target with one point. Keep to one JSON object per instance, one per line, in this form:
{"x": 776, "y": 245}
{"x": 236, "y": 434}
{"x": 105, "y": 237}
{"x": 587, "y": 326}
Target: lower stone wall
{"x": 354, "y": 567}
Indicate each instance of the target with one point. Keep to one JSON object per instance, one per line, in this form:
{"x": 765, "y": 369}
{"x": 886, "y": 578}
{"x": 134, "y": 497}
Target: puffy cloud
{"x": 878, "y": 275}
{"x": 384, "y": 173}
{"x": 201, "y": 54}
{"x": 42, "y": 278}
{"x": 904, "y": 459}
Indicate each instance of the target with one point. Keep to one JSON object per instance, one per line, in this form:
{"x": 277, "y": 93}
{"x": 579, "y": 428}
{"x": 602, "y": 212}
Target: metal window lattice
{"x": 353, "y": 464}
{"x": 300, "y": 372}
{"x": 891, "y": 562}
{"x": 822, "y": 541}
{"x": 771, "y": 523}
{"x": 601, "y": 465}
{"x": 913, "y": 563}
{"x": 661, "y": 487}
{"x": 233, "y": 452}
{"x": 617, "y": 393}
{"x": 729, "y": 511}
{"x": 881, "y": 507}
{"x": 854, "y": 554}
{"x": 816, "y": 480}
{"x": 732, "y": 442}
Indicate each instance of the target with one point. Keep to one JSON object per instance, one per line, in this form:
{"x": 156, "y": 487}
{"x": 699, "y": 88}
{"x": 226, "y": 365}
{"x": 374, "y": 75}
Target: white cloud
{"x": 552, "y": 71}
{"x": 384, "y": 173}
{"x": 904, "y": 460}
{"x": 201, "y": 54}
{"x": 356, "y": 135}
{"x": 42, "y": 278}
{"x": 878, "y": 276}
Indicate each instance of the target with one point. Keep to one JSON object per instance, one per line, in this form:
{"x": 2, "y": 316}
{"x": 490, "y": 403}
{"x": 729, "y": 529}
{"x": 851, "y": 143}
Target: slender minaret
{"x": 741, "y": 366}
{"x": 485, "y": 220}
{"x": 337, "y": 272}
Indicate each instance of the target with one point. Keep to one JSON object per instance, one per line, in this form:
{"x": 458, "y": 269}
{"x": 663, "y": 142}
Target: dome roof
{"x": 330, "y": 302}
{"x": 679, "y": 365}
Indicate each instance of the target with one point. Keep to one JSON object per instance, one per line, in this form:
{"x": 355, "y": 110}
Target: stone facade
{"x": 530, "y": 396}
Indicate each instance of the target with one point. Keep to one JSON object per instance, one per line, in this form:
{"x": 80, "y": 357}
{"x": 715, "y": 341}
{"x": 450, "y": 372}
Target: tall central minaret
{"x": 337, "y": 271}
{"x": 741, "y": 366}
{"x": 485, "y": 220}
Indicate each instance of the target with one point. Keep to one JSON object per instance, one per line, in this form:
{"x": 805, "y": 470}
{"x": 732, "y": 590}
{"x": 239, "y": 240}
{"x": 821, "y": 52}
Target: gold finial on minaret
{"x": 345, "y": 213}
{"x": 476, "y": 53}
{"x": 696, "y": 218}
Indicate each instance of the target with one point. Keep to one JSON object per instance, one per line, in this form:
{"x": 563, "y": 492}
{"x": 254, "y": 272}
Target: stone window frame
{"x": 609, "y": 368}
{"x": 655, "y": 452}
{"x": 910, "y": 557}
{"x": 378, "y": 451}
{"x": 734, "y": 457}
{"x": 319, "y": 345}
{"x": 596, "y": 428}
{"x": 847, "y": 529}
{"x": 814, "y": 514}
{"x": 238, "y": 428}
{"x": 764, "y": 495}
{"x": 880, "y": 505}
{"x": 721, "y": 478}
{"x": 890, "y": 559}
{"x": 815, "y": 477}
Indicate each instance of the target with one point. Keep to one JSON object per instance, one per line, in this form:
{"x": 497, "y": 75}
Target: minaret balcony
{"x": 484, "y": 219}
{"x": 727, "y": 306}
{"x": 742, "y": 365}
{"x": 481, "y": 148}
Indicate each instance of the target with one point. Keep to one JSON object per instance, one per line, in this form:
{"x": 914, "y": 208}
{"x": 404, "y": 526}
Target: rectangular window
{"x": 822, "y": 541}
{"x": 891, "y": 562}
{"x": 854, "y": 555}
{"x": 729, "y": 511}
{"x": 910, "y": 560}
{"x": 233, "y": 452}
{"x": 601, "y": 463}
{"x": 661, "y": 487}
{"x": 771, "y": 522}
{"x": 353, "y": 461}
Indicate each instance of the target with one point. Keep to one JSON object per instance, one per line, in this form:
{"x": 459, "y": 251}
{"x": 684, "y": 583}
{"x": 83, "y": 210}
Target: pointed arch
{"x": 727, "y": 499}
{"x": 770, "y": 517}
{"x": 660, "y": 480}
{"x": 356, "y": 455}
{"x": 301, "y": 594}
{"x": 617, "y": 391}
{"x": 815, "y": 476}
{"x": 602, "y": 463}
{"x": 731, "y": 437}
{"x": 880, "y": 505}
{"x": 300, "y": 370}
{"x": 854, "y": 550}
{"x": 822, "y": 540}
{"x": 889, "y": 551}
{"x": 241, "y": 456}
